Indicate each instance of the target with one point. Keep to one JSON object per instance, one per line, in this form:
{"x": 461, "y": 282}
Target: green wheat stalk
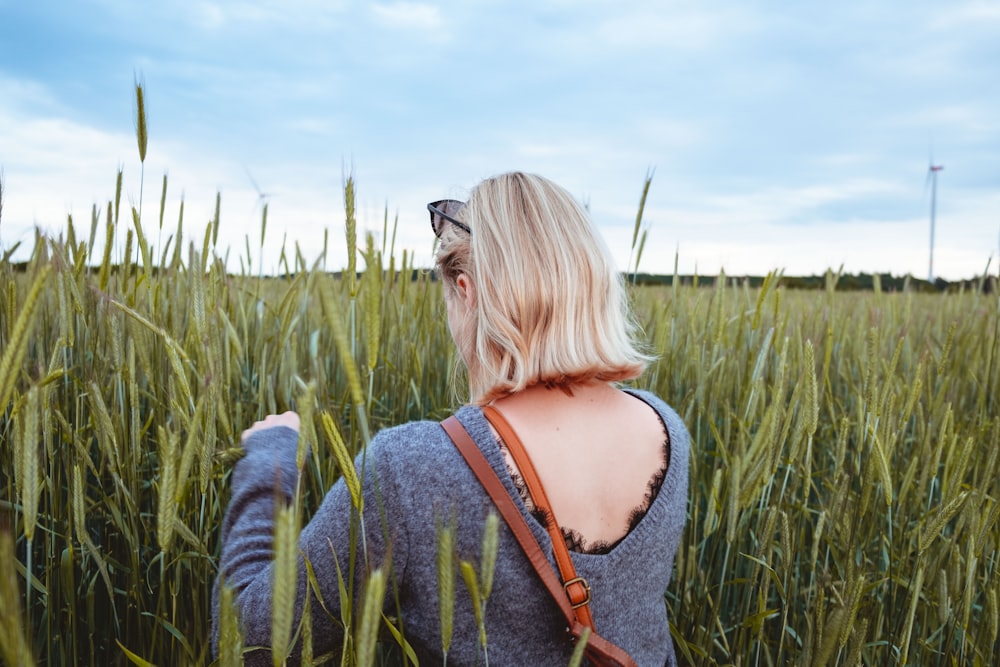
{"x": 16, "y": 348}
{"x": 285, "y": 573}
{"x": 371, "y": 617}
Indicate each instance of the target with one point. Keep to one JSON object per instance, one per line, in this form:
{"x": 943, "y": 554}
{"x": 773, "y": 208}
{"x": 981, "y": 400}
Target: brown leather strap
{"x": 508, "y": 510}
{"x": 522, "y": 533}
{"x": 577, "y": 588}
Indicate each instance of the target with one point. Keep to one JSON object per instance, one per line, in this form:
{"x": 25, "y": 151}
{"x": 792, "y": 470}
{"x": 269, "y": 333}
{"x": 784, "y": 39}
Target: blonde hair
{"x": 550, "y": 306}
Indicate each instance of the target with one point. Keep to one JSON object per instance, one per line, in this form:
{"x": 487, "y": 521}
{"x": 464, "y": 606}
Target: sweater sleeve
{"x": 265, "y": 480}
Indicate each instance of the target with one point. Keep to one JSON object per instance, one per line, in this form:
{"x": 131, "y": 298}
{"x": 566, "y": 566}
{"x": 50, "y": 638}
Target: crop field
{"x": 845, "y": 483}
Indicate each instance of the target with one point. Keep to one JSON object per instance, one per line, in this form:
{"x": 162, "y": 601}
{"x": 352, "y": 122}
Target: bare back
{"x": 595, "y": 451}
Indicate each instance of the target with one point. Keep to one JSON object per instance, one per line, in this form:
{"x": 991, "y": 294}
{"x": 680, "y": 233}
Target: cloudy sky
{"x": 781, "y": 135}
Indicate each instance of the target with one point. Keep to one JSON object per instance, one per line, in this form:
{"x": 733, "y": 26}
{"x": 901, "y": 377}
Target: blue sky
{"x": 782, "y": 135}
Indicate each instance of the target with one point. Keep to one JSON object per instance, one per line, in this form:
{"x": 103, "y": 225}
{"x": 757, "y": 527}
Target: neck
{"x": 550, "y": 393}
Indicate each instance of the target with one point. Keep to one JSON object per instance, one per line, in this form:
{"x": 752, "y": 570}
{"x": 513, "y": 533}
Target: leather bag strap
{"x": 577, "y": 588}
{"x": 529, "y": 544}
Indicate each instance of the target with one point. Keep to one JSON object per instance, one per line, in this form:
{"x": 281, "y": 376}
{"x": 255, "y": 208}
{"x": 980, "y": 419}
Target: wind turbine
{"x": 262, "y": 197}
{"x": 932, "y": 174}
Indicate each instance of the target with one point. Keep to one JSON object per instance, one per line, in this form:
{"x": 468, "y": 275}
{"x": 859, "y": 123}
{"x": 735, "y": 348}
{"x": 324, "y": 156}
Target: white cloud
{"x": 958, "y": 119}
{"x": 408, "y": 15}
{"x": 899, "y": 248}
{"x": 779, "y": 206}
{"x": 694, "y": 27}
{"x": 978, "y": 14}
{"x": 23, "y": 94}
{"x": 51, "y": 167}
{"x": 209, "y": 15}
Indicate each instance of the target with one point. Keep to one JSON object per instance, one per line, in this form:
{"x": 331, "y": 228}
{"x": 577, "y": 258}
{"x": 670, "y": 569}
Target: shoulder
{"x": 670, "y": 418}
{"x": 409, "y": 434}
{"x": 421, "y": 470}
{"x": 421, "y": 448}
{"x": 424, "y": 449}
{"x": 409, "y": 443}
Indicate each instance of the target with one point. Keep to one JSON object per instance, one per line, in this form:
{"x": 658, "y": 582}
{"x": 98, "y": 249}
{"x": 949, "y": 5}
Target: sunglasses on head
{"x": 442, "y": 211}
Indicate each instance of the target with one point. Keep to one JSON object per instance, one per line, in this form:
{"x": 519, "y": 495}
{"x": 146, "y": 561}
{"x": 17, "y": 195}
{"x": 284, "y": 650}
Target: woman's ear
{"x": 466, "y": 290}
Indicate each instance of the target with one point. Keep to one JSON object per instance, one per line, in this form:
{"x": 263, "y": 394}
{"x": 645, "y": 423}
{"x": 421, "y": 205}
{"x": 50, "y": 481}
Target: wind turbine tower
{"x": 932, "y": 174}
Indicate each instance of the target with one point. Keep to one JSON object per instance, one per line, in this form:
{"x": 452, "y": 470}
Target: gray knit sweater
{"x": 414, "y": 480}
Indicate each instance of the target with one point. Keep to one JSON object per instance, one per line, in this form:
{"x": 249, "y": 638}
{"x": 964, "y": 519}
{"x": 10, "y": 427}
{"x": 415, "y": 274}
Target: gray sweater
{"x": 414, "y": 480}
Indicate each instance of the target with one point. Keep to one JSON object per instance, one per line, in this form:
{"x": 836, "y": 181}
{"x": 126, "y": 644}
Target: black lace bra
{"x": 574, "y": 540}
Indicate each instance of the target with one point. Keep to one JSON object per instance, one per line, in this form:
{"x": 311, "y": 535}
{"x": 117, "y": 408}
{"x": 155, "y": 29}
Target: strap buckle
{"x": 579, "y": 597}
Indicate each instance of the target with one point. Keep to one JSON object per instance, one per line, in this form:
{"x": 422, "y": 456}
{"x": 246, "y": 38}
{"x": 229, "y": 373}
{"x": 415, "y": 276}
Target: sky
{"x": 786, "y": 136}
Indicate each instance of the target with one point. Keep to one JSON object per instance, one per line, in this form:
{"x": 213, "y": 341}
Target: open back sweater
{"x": 414, "y": 481}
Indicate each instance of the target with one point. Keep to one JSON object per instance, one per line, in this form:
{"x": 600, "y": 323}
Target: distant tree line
{"x": 841, "y": 282}
{"x": 844, "y": 282}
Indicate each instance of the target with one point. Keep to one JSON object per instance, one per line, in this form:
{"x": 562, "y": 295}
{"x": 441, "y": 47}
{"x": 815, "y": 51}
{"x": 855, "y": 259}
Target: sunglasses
{"x": 442, "y": 211}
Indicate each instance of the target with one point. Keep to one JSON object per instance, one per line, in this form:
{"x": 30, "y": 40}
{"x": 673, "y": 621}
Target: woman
{"x": 540, "y": 318}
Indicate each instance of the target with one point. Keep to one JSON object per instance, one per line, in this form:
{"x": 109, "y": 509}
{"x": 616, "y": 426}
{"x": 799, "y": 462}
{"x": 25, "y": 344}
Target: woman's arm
{"x": 264, "y": 481}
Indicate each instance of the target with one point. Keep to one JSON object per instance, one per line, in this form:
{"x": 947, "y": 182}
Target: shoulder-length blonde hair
{"x": 550, "y": 306}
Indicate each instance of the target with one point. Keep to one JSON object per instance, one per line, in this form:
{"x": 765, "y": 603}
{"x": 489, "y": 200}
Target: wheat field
{"x": 844, "y": 496}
